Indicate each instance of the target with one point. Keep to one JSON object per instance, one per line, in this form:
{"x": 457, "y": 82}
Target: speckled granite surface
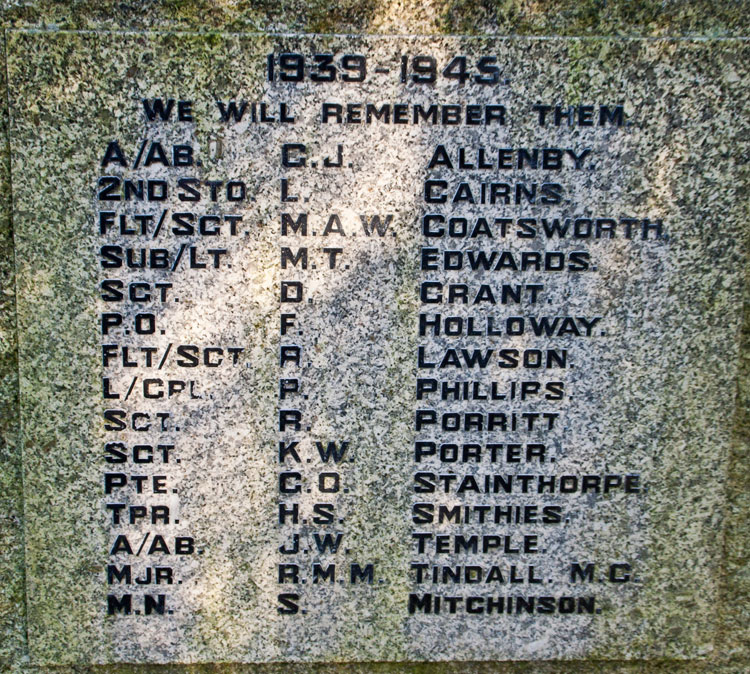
{"x": 588, "y": 17}
{"x": 655, "y": 395}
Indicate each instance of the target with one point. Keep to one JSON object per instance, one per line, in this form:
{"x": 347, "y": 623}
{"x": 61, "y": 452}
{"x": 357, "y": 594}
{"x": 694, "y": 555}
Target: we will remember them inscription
{"x": 385, "y": 336}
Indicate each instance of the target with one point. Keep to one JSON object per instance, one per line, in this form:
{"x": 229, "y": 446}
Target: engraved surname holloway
{"x": 493, "y": 326}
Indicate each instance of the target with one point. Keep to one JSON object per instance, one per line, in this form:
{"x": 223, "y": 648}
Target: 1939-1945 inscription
{"x": 382, "y": 338}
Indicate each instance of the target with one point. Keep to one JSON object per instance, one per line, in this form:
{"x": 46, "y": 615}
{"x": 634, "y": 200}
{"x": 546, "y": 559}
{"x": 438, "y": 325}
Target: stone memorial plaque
{"x": 374, "y": 348}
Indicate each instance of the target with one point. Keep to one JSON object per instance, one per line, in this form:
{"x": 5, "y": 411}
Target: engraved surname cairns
{"x": 499, "y": 361}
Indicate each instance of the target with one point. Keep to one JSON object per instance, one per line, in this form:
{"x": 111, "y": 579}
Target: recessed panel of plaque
{"x": 375, "y": 349}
